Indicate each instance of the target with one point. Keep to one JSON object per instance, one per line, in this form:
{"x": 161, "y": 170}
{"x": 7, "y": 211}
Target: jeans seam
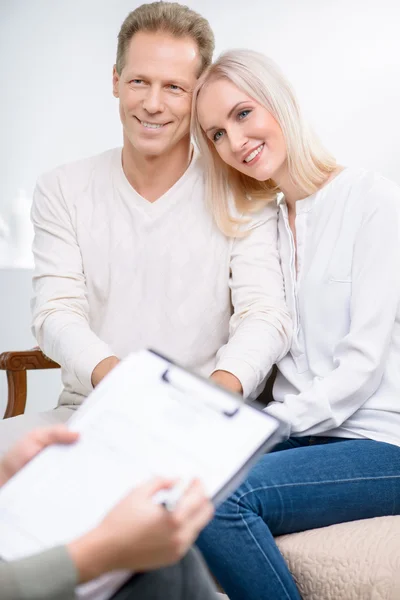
{"x": 303, "y": 483}
{"x": 263, "y": 554}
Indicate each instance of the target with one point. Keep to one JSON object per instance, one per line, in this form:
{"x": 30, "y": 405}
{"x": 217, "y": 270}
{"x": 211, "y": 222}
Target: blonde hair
{"x": 169, "y": 17}
{"x": 309, "y": 163}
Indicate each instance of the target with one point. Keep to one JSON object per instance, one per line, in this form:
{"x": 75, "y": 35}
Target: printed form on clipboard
{"x": 148, "y": 417}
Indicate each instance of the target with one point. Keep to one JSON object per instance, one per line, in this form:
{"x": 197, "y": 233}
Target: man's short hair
{"x": 168, "y": 17}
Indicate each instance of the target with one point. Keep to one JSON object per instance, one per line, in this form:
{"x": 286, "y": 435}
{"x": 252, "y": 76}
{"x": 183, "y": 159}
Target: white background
{"x": 56, "y": 58}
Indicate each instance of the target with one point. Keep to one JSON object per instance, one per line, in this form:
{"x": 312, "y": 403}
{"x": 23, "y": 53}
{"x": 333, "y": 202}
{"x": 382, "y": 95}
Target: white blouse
{"x": 342, "y": 375}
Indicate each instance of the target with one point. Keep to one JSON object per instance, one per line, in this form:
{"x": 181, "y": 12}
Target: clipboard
{"x": 148, "y": 417}
{"x": 173, "y": 375}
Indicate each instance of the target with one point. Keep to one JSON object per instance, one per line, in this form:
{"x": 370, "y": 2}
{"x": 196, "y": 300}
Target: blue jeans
{"x": 303, "y": 484}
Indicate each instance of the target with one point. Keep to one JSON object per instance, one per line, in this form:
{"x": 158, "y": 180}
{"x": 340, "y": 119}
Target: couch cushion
{"x": 349, "y": 561}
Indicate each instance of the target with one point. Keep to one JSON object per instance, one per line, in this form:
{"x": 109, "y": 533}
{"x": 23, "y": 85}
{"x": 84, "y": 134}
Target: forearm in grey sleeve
{"x": 50, "y": 575}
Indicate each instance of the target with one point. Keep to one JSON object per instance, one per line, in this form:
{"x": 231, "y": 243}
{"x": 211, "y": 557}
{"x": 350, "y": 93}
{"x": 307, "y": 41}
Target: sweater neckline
{"x": 164, "y": 202}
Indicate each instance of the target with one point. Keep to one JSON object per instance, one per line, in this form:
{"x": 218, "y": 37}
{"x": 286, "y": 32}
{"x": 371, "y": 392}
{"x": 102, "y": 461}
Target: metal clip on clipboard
{"x": 183, "y": 381}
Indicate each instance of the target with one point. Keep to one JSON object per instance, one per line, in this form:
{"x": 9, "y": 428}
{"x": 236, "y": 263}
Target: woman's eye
{"x": 217, "y": 136}
{"x": 243, "y": 114}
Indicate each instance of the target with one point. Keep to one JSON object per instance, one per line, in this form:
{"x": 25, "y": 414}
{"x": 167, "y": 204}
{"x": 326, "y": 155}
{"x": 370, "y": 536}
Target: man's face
{"x": 155, "y": 91}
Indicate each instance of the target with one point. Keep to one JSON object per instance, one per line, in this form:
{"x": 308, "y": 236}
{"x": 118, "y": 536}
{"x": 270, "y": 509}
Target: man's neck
{"x": 153, "y": 176}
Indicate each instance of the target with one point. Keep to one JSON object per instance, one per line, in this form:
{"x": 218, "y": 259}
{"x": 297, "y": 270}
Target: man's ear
{"x": 115, "y": 80}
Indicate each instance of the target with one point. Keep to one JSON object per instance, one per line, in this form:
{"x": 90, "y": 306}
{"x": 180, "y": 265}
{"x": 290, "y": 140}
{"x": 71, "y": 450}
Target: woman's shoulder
{"x": 369, "y": 188}
{"x": 255, "y": 216}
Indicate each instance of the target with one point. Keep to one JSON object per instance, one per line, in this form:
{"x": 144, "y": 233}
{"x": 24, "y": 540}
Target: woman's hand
{"x": 228, "y": 381}
{"x": 30, "y": 446}
{"x": 103, "y": 368}
{"x": 141, "y": 535}
{"x": 138, "y": 534}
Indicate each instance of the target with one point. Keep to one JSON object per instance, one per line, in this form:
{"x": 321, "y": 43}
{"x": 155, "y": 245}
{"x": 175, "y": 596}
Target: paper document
{"x": 147, "y": 418}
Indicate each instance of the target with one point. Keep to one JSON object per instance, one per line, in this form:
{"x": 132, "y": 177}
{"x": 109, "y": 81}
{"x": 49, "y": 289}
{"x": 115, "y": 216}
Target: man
{"x": 137, "y": 535}
{"x": 127, "y": 254}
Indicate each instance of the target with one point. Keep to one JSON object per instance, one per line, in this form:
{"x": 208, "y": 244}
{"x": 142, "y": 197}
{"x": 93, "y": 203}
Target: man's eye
{"x": 137, "y": 81}
{"x": 174, "y": 88}
{"x": 243, "y": 114}
{"x": 217, "y": 136}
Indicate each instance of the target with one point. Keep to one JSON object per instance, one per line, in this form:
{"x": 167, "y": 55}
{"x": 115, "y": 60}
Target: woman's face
{"x": 245, "y": 135}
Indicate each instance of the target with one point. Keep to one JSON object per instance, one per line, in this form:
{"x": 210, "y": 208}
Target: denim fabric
{"x": 303, "y": 484}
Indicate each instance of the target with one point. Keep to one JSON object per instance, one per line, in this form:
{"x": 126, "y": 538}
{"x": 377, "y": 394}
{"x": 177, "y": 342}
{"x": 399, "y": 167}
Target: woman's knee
{"x": 251, "y": 494}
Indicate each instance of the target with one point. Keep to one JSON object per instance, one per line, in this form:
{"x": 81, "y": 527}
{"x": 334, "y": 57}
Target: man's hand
{"x": 104, "y": 367}
{"x": 228, "y": 381}
{"x": 30, "y": 446}
{"x": 140, "y": 535}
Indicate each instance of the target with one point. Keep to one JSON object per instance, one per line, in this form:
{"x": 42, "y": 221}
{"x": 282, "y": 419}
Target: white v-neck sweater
{"x": 115, "y": 273}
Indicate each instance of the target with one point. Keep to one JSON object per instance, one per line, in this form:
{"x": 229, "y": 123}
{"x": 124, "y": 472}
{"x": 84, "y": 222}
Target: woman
{"x": 136, "y": 535}
{"x": 338, "y": 389}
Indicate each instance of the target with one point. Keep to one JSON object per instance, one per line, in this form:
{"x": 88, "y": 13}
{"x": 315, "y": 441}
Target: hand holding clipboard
{"x": 147, "y": 418}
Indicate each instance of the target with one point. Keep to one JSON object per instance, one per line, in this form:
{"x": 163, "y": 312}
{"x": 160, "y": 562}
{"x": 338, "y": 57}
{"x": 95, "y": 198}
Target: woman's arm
{"x": 260, "y": 328}
{"x": 360, "y": 357}
{"x": 137, "y": 535}
{"x": 45, "y": 576}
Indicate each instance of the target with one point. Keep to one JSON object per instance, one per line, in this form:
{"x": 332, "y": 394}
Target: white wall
{"x": 56, "y": 57}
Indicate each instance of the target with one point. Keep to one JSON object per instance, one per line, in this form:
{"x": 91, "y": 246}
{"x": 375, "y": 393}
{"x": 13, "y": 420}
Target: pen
{"x": 175, "y": 494}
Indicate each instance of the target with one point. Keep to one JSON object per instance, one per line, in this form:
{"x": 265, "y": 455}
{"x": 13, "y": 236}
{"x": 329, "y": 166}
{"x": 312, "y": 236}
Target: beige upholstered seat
{"x": 349, "y": 561}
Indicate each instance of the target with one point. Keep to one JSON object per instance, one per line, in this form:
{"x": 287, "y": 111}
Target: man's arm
{"x": 60, "y": 307}
{"x": 260, "y": 327}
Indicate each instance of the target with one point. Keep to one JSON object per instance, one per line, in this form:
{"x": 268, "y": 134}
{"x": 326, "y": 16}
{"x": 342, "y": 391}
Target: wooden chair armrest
{"x": 16, "y": 363}
{"x": 24, "y": 360}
